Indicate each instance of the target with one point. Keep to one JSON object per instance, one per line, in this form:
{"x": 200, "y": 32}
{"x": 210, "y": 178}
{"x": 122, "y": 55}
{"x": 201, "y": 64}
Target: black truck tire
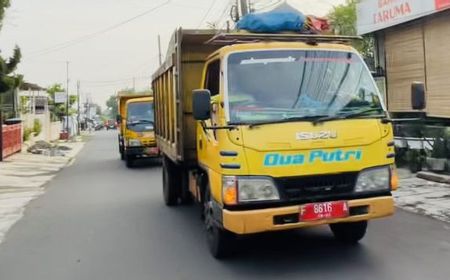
{"x": 129, "y": 161}
{"x": 220, "y": 241}
{"x": 121, "y": 148}
{"x": 171, "y": 182}
{"x": 349, "y": 233}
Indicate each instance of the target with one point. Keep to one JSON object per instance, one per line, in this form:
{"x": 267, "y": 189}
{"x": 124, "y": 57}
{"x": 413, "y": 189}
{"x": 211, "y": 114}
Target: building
{"x": 412, "y": 44}
{"x": 33, "y": 99}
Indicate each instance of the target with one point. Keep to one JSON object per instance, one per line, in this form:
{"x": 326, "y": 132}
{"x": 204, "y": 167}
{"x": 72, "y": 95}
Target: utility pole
{"x": 134, "y": 84}
{"x": 78, "y": 105}
{"x": 159, "y": 50}
{"x": 67, "y": 97}
{"x": 244, "y": 7}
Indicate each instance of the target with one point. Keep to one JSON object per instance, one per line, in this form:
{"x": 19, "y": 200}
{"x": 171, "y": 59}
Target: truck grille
{"x": 320, "y": 186}
{"x": 148, "y": 142}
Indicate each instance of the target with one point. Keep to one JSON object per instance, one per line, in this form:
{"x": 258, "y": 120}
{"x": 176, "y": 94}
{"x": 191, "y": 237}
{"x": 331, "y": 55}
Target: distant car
{"x": 98, "y": 126}
{"x": 111, "y": 124}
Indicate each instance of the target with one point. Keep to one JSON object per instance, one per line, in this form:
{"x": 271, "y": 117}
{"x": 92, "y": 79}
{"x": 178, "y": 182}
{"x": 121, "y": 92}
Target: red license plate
{"x": 152, "y": 151}
{"x": 323, "y": 210}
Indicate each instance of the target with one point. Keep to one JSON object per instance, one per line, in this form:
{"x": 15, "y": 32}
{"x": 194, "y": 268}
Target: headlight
{"x": 134, "y": 143}
{"x": 375, "y": 179}
{"x": 248, "y": 189}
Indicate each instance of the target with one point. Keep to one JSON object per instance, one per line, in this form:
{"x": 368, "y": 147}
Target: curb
{"x": 439, "y": 178}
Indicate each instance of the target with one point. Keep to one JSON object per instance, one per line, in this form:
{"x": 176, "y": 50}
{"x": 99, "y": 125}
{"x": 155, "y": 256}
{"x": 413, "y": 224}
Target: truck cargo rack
{"x": 241, "y": 38}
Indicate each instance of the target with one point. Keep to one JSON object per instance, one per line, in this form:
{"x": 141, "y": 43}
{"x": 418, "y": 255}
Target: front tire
{"x": 220, "y": 241}
{"x": 349, "y": 233}
{"x": 171, "y": 182}
{"x": 129, "y": 160}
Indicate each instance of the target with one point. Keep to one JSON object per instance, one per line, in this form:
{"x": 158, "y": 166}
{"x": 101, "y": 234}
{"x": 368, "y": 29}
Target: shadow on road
{"x": 146, "y": 163}
{"x": 272, "y": 255}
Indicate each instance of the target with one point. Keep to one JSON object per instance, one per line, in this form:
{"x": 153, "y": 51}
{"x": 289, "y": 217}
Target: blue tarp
{"x": 272, "y": 22}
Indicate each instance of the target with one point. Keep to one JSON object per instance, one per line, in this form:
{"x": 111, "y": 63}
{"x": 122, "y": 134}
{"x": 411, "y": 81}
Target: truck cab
{"x": 137, "y": 129}
{"x": 282, "y": 132}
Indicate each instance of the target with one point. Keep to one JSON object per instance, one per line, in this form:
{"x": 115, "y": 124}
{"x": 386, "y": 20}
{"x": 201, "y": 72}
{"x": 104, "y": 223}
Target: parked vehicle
{"x": 272, "y": 132}
{"x": 136, "y": 134}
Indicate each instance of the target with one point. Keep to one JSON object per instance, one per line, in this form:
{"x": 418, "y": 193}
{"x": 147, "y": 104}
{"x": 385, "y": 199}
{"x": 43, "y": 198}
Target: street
{"x": 101, "y": 220}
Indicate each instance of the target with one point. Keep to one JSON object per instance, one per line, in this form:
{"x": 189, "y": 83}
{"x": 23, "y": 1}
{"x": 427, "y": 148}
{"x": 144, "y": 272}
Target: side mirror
{"x": 119, "y": 118}
{"x": 418, "y": 99}
{"x": 201, "y": 104}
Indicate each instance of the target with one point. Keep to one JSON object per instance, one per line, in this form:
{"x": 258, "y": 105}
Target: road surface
{"x": 100, "y": 220}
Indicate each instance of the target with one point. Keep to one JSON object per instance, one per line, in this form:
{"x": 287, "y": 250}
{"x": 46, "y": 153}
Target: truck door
{"x": 208, "y": 144}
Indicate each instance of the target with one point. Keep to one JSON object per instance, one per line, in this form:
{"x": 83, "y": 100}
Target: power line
{"x": 207, "y": 13}
{"x": 70, "y": 43}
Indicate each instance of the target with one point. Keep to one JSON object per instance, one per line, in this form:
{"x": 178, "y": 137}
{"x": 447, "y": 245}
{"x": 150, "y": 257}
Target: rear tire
{"x": 220, "y": 241}
{"x": 171, "y": 182}
{"x": 349, "y": 233}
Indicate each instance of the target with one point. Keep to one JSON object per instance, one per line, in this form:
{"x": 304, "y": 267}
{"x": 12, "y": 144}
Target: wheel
{"x": 171, "y": 182}
{"x": 121, "y": 150}
{"x": 349, "y": 233}
{"x": 129, "y": 160}
{"x": 220, "y": 241}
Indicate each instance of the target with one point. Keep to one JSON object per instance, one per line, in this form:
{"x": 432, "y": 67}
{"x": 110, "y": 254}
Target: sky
{"x": 109, "y": 44}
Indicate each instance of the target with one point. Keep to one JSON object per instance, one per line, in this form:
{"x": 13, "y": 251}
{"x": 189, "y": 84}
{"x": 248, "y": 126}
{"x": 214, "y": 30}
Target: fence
{"x": 12, "y": 139}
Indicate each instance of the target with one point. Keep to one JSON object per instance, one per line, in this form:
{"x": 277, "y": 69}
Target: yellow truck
{"x": 136, "y": 127}
{"x": 271, "y": 132}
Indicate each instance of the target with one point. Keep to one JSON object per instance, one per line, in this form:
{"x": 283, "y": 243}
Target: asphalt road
{"x": 100, "y": 220}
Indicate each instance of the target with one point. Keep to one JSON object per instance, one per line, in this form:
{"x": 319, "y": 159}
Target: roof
{"x": 140, "y": 99}
{"x": 30, "y": 86}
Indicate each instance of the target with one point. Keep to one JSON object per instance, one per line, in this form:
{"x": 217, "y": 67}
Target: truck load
{"x": 271, "y": 132}
{"x": 136, "y": 127}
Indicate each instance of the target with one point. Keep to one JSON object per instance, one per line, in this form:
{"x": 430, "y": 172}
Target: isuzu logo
{"x": 316, "y": 135}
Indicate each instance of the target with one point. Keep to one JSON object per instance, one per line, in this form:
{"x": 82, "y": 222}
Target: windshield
{"x": 282, "y": 84}
{"x": 140, "y": 116}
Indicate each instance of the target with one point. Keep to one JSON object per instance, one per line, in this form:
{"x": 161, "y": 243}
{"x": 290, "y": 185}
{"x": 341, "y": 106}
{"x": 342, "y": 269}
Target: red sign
{"x": 324, "y": 210}
{"x": 442, "y": 4}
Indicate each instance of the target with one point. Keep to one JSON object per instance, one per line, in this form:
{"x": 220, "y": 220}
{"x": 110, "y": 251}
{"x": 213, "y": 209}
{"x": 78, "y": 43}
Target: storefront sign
{"x": 379, "y": 14}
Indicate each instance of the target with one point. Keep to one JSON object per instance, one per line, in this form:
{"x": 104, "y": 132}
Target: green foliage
{"x": 111, "y": 104}
{"x": 343, "y": 21}
{"x": 3, "y": 5}
{"x": 343, "y": 18}
{"x": 37, "y": 127}
{"x": 7, "y": 66}
{"x": 57, "y": 111}
{"x": 27, "y": 133}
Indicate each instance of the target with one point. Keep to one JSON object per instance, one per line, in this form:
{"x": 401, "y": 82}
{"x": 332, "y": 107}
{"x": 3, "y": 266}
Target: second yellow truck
{"x": 136, "y": 127}
{"x": 273, "y": 132}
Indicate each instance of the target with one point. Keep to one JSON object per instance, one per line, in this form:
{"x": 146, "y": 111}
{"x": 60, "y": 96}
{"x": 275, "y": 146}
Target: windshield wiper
{"x": 287, "y": 119}
{"x": 141, "y": 122}
{"x": 350, "y": 115}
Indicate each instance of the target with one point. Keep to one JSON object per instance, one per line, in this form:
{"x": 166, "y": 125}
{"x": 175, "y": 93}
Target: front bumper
{"x": 283, "y": 218}
{"x": 142, "y": 151}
